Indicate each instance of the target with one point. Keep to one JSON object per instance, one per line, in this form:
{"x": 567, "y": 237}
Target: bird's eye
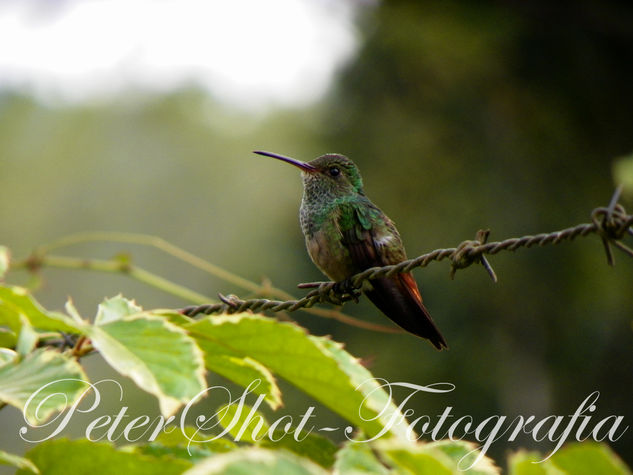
{"x": 334, "y": 171}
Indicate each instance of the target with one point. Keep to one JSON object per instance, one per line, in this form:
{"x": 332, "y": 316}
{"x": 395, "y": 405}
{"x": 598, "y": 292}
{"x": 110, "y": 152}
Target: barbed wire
{"x": 611, "y": 223}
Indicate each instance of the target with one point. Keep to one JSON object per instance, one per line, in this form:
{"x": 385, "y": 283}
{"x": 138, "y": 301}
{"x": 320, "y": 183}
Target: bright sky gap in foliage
{"x": 248, "y": 53}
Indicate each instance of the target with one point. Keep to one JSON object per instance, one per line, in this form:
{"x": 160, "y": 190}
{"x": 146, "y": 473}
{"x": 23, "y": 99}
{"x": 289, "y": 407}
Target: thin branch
{"x": 112, "y": 266}
{"x": 160, "y": 244}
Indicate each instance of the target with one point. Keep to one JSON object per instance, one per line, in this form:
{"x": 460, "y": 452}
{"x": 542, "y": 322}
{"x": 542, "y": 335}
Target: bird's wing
{"x": 372, "y": 240}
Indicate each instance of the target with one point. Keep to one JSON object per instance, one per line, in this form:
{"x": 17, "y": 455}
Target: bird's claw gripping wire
{"x": 347, "y": 290}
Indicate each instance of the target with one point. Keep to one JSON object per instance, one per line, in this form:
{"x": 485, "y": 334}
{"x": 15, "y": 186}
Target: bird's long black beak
{"x": 297, "y": 163}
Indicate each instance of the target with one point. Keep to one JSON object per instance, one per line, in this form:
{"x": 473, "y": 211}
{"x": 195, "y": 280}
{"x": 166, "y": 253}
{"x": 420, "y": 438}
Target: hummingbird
{"x": 345, "y": 233}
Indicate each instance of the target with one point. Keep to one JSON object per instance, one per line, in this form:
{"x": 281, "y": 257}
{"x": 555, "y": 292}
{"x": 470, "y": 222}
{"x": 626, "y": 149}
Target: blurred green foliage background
{"x": 461, "y": 116}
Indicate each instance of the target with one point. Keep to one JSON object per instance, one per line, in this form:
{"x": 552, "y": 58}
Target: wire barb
{"x": 609, "y": 229}
{"x": 611, "y": 224}
{"x": 464, "y": 255}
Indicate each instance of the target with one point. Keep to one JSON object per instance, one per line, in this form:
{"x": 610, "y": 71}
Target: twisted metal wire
{"x": 611, "y": 223}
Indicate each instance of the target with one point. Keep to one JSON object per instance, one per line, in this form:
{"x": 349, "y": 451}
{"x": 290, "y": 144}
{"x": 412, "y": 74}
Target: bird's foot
{"x": 346, "y": 290}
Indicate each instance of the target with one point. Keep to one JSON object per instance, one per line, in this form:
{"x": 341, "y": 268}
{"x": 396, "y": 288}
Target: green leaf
{"x": 183, "y": 442}
{"x": 63, "y": 456}
{"x": 589, "y": 458}
{"x": 243, "y": 371}
{"x": 173, "y": 317}
{"x": 7, "y": 356}
{"x": 27, "y": 339}
{"x": 177, "y": 444}
{"x": 115, "y": 308}
{"x": 8, "y": 339}
{"x": 243, "y": 422}
{"x": 465, "y": 457}
{"x": 256, "y": 461}
{"x": 157, "y": 355}
{"x": 444, "y": 456}
{"x": 375, "y": 403}
{"x": 43, "y": 382}
{"x": 18, "y": 462}
{"x": 358, "y": 459}
{"x": 530, "y": 463}
{"x": 240, "y": 369}
{"x": 317, "y": 448}
{"x": 246, "y": 424}
{"x": 318, "y": 366}
{"x": 154, "y": 449}
{"x": 73, "y": 312}
{"x": 417, "y": 458}
{"x": 5, "y": 258}
{"x": 15, "y": 302}
{"x": 186, "y": 437}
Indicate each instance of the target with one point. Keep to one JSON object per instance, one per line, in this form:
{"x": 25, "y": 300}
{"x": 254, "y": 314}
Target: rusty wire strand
{"x": 611, "y": 223}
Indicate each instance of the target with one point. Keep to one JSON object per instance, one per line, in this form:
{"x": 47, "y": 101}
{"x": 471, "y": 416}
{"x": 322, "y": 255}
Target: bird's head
{"x": 331, "y": 173}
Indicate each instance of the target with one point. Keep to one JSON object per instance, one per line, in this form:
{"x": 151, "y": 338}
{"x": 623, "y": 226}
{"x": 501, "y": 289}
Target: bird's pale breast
{"x": 328, "y": 252}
